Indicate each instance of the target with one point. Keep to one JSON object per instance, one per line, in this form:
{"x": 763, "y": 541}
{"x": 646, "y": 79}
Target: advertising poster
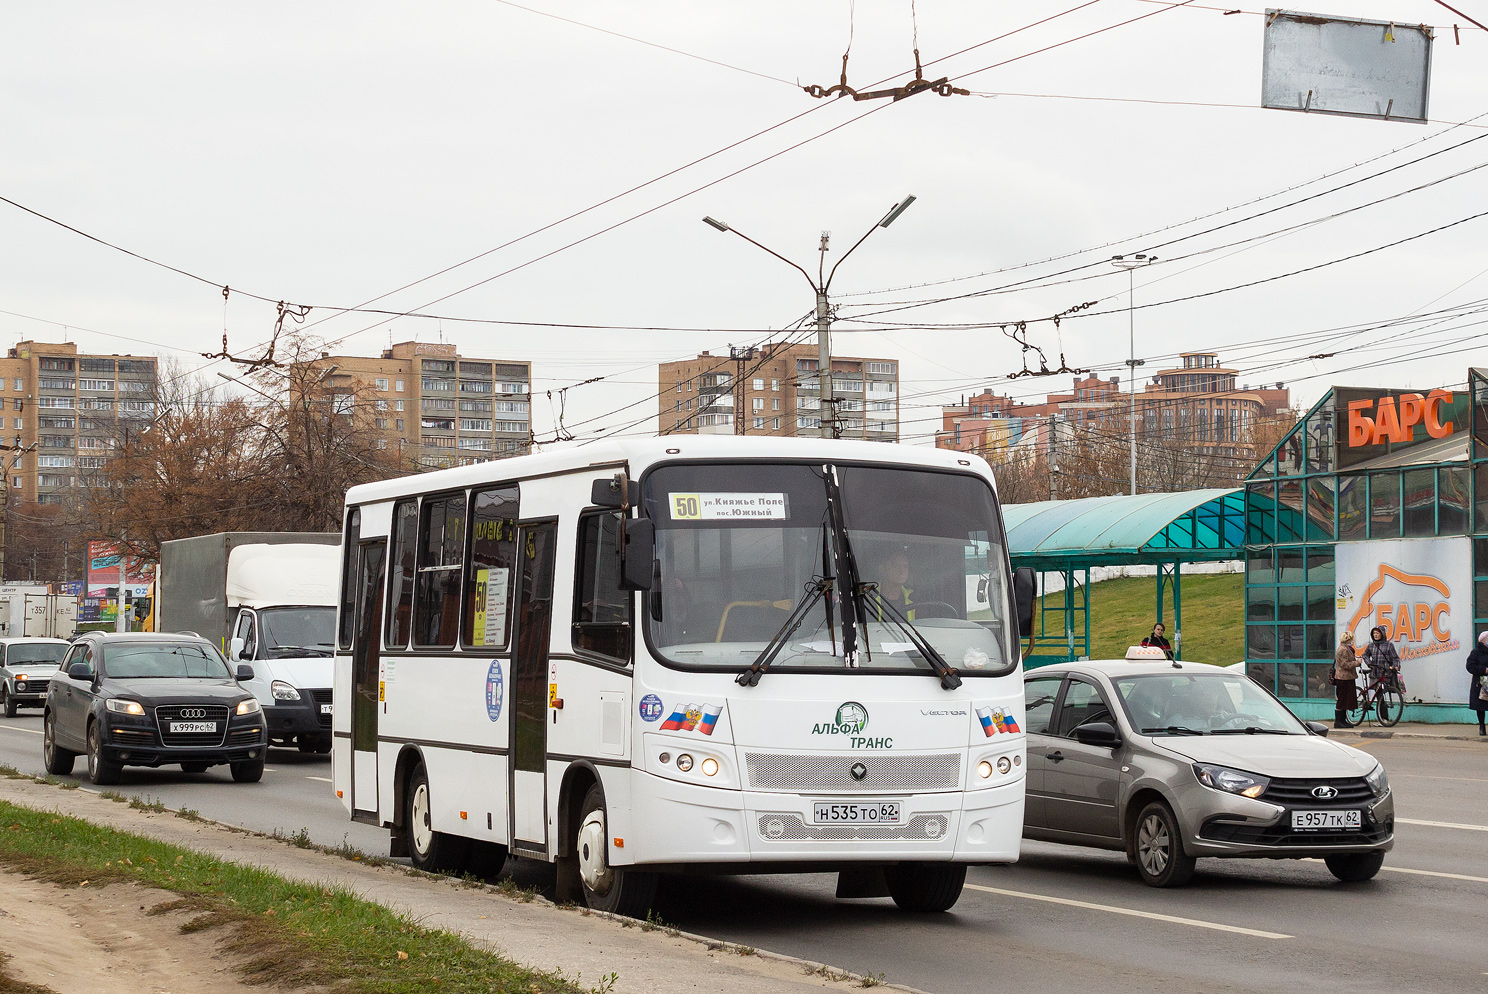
{"x": 1420, "y": 591}
{"x": 103, "y": 569}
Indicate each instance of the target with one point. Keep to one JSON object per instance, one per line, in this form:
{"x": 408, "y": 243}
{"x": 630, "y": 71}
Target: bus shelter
{"x": 1069, "y": 538}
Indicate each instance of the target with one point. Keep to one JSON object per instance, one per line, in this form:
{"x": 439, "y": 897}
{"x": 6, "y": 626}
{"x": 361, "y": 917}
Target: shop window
{"x": 1290, "y": 643}
{"x": 1292, "y": 566}
{"x": 1260, "y": 565}
{"x": 441, "y": 550}
{"x": 1263, "y": 674}
{"x": 602, "y": 610}
{"x": 1320, "y": 603}
{"x": 1320, "y": 508}
{"x": 1317, "y": 680}
{"x": 1289, "y": 680}
{"x": 1353, "y": 507}
{"x": 400, "y": 593}
{"x": 1420, "y": 502}
{"x": 1452, "y": 501}
{"x": 1290, "y": 602}
{"x": 1319, "y": 641}
{"x": 1320, "y": 428}
{"x": 1290, "y": 511}
{"x": 1260, "y": 641}
{"x": 1384, "y": 505}
{"x": 1480, "y": 472}
{"x": 1260, "y": 603}
{"x": 1260, "y": 513}
{"x": 1480, "y": 599}
{"x": 1289, "y": 454}
{"x": 1320, "y": 565}
{"x": 492, "y": 572}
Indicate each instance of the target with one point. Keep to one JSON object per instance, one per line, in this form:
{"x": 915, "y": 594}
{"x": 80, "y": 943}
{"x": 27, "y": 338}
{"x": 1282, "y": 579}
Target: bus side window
{"x": 602, "y": 610}
{"x": 400, "y": 591}
{"x": 492, "y": 570}
{"x": 348, "y": 575}
{"x": 441, "y": 552}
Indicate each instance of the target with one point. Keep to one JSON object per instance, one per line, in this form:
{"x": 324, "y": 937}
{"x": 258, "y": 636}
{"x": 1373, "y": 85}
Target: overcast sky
{"x": 329, "y": 153}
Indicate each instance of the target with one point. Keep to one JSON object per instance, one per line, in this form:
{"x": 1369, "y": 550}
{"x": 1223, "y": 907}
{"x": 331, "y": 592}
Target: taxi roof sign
{"x": 1145, "y": 652}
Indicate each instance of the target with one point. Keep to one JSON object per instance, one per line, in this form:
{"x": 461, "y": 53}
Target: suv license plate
{"x": 193, "y": 726}
{"x": 834, "y": 813}
{"x": 1315, "y": 821}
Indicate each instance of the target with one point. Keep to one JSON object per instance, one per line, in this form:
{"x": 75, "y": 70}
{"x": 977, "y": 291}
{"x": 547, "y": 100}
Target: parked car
{"x": 1173, "y": 761}
{"x": 151, "y": 700}
{"x": 26, "y": 667}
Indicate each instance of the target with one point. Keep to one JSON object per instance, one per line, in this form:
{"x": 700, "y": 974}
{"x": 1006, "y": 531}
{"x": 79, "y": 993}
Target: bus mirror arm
{"x": 638, "y": 564}
{"x": 619, "y": 493}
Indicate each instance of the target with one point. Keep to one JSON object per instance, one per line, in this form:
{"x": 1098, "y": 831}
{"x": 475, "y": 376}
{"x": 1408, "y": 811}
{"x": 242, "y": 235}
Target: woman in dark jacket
{"x": 1477, "y": 665}
{"x": 1382, "y": 659}
{"x": 1158, "y": 639}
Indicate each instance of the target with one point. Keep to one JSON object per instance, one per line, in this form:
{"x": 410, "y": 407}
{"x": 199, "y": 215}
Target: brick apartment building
{"x": 776, "y": 393}
{"x": 436, "y": 406}
{"x": 1197, "y": 405}
{"x": 62, "y": 411}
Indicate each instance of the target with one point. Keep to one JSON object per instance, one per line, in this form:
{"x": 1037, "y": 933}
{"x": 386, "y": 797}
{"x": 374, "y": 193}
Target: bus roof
{"x": 639, "y": 453}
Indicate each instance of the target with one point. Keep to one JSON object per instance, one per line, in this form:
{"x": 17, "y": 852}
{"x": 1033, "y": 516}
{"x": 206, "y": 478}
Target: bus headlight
{"x": 709, "y": 767}
{"x": 984, "y": 769}
{"x": 1004, "y": 765}
{"x": 684, "y": 762}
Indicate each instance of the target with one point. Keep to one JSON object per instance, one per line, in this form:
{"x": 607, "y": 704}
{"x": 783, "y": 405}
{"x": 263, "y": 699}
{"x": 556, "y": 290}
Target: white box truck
{"x": 31, "y": 610}
{"x": 269, "y": 599}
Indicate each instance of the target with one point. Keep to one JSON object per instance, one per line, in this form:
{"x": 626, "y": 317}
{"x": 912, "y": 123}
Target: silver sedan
{"x": 1172, "y": 761}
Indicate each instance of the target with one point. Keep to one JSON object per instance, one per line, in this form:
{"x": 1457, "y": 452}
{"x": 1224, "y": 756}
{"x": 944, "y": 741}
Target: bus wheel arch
{"x": 577, "y": 780}
{"x": 408, "y": 759}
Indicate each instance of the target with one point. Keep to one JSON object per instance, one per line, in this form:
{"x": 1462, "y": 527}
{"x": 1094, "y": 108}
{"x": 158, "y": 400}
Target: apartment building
{"x": 1197, "y": 404}
{"x": 62, "y": 414}
{"x": 774, "y": 391}
{"x": 435, "y": 406}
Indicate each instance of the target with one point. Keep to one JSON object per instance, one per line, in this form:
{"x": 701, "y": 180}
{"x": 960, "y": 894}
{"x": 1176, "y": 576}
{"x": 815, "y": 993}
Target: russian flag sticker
{"x": 989, "y": 727}
{"x": 710, "y": 718}
{"x": 677, "y": 717}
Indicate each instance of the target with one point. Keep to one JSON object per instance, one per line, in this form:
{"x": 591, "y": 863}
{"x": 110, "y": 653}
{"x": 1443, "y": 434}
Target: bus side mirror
{"x": 636, "y": 570}
{"x": 616, "y": 492}
{"x": 1025, "y": 589}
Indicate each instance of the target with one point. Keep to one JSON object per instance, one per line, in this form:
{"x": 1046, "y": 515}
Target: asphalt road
{"x": 1062, "y": 918}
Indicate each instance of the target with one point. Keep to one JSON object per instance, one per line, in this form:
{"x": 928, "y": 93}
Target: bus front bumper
{"x": 675, "y": 822}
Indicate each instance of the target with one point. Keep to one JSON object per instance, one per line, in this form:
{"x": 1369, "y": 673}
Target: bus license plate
{"x": 193, "y": 726}
{"x": 1316, "y": 821}
{"x": 836, "y": 813}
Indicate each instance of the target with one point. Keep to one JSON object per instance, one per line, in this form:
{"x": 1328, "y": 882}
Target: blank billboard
{"x": 1335, "y": 65}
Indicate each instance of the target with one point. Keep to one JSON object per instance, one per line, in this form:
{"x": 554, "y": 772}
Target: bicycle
{"x": 1384, "y": 696}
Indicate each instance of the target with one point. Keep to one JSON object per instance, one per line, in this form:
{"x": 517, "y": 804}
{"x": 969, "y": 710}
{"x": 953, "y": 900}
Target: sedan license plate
{"x": 1324, "y": 821}
{"x": 855, "y": 813}
{"x": 193, "y": 726}
{"x": 325, "y": 709}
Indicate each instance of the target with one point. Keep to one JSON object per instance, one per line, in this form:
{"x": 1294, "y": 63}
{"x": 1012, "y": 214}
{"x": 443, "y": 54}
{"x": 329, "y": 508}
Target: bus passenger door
{"x": 529, "y": 679}
{"x": 367, "y": 636}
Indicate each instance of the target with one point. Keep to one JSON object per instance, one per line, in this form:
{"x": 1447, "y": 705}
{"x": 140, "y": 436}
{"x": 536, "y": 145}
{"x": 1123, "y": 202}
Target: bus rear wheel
{"x": 926, "y": 887}
{"x": 617, "y": 890}
{"x": 429, "y": 850}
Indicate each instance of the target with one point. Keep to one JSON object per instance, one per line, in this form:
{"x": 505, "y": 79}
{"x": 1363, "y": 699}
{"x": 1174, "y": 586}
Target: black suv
{"x": 151, "y": 700}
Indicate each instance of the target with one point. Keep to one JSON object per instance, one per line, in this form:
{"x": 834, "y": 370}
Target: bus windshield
{"x": 741, "y": 545}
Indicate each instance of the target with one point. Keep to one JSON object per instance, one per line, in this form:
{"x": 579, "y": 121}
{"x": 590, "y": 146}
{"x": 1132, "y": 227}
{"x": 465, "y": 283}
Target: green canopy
{"x": 1193, "y": 526}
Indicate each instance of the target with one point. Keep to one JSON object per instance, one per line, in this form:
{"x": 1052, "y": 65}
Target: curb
{"x": 807, "y": 967}
{"x": 1408, "y": 735}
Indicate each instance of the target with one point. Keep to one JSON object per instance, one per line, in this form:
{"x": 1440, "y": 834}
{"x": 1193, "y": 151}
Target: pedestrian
{"x": 1158, "y": 640}
{"x": 1383, "y": 661}
{"x": 1477, "y": 688}
{"x": 1345, "y": 673}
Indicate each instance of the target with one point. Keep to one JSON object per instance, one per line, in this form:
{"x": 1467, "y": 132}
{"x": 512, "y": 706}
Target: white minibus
{"x": 687, "y": 655}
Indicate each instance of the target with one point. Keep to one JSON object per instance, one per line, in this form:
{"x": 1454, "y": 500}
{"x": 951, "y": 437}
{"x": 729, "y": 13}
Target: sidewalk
{"x": 1410, "y": 730}
{"x": 536, "y": 933}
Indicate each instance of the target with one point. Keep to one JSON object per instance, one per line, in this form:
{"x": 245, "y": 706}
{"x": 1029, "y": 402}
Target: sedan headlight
{"x": 124, "y": 707}
{"x": 283, "y": 691}
{"x": 1231, "y": 781}
{"x": 250, "y": 706}
{"x": 1378, "y": 782}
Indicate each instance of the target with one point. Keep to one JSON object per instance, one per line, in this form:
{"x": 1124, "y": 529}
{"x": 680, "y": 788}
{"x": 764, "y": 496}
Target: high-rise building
{"x": 435, "y": 406}
{"x": 774, "y": 391}
{"x": 63, "y": 413}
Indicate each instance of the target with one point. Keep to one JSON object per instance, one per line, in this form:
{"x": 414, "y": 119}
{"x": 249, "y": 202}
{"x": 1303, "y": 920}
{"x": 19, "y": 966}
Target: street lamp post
{"x": 1131, "y": 266}
{"x": 819, "y": 287}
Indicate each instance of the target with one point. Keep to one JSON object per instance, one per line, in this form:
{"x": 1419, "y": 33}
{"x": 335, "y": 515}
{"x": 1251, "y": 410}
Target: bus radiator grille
{"x": 833, "y": 774}
{"x": 787, "y": 827}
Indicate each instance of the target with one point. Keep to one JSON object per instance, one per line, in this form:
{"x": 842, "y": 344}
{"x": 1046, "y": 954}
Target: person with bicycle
{"x": 1383, "y": 661}
{"x": 1345, "y": 675}
{"x": 1477, "y": 665}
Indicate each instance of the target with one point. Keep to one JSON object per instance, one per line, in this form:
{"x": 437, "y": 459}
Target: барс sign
{"x": 1420, "y": 591}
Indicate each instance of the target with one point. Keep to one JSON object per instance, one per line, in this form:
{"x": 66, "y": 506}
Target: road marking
{"x": 1426, "y": 776}
{"x": 1442, "y": 824}
{"x": 1132, "y": 912}
{"x": 321, "y": 779}
{"x": 1419, "y": 873}
{"x": 13, "y": 728}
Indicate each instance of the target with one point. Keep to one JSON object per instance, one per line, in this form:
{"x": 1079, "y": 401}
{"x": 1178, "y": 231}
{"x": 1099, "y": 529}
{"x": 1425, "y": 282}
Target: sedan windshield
{"x": 298, "y": 631}
{"x": 165, "y": 662}
{"x": 740, "y": 546}
{"x": 1203, "y": 703}
{"x": 24, "y": 654}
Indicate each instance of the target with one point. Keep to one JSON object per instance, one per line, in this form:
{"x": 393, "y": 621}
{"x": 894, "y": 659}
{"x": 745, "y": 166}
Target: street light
{"x": 1131, "y": 266}
{"x": 820, "y": 286}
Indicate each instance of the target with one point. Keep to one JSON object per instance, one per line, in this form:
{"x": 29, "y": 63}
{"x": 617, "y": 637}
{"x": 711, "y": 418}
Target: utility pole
{"x": 1131, "y": 266}
{"x": 1053, "y": 457}
{"x": 121, "y": 621}
{"x": 741, "y": 358}
{"x": 820, "y": 286}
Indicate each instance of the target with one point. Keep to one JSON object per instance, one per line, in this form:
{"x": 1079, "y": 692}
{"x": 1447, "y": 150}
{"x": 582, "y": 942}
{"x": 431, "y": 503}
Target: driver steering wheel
{"x": 919, "y": 608}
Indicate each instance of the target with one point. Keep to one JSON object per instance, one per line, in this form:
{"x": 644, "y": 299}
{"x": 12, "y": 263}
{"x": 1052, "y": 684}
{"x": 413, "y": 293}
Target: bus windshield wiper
{"x": 949, "y": 678}
{"x": 820, "y": 588}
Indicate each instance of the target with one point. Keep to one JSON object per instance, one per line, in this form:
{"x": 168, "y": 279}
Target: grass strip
{"x": 282, "y": 933}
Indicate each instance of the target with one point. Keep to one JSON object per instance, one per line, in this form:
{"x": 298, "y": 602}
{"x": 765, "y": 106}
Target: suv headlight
{"x": 1378, "y": 782}
{"x": 250, "y": 706}
{"x": 1231, "y": 781}
{"x": 124, "y": 707}
{"x": 283, "y": 691}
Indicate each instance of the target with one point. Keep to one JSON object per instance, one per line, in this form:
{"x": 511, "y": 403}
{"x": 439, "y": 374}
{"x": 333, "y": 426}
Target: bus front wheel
{"x": 926, "y": 887}
{"x": 429, "y": 850}
{"x": 617, "y": 890}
